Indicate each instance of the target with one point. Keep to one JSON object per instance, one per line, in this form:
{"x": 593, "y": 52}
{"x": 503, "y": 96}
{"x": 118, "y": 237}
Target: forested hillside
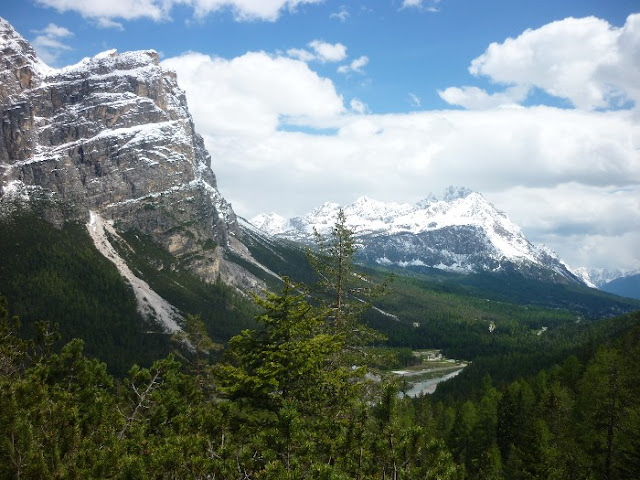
{"x": 579, "y": 418}
{"x": 57, "y": 275}
{"x": 281, "y": 404}
{"x": 301, "y": 396}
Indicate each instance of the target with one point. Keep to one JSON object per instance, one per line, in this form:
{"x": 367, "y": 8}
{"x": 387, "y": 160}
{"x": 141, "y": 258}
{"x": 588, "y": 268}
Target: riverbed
{"x": 429, "y": 385}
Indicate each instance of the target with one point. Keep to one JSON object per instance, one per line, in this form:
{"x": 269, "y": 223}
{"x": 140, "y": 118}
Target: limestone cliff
{"x": 112, "y": 135}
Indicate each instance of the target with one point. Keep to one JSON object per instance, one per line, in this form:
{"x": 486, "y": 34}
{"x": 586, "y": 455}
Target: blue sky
{"x": 532, "y": 103}
{"x": 411, "y": 50}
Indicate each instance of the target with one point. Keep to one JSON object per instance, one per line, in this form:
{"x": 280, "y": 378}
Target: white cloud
{"x": 358, "y": 106}
{"x": 108, "y": 23}
{"x": 48, "y": 43}
{"x": 593, "y": 221}
{"x": 245, "y": 106}
{"x": 301, "y": 54}
{"x": 322, "y": 51}
{"x": 586, "y": 61}
{"x": 544, "y": 165}
{"x": 475, "y": 98}
{"x": 244, "y": 10}
{"x": 252, "y": 94}
{"x": 53, "y": 30}
{"x": 428, "y": 5}
{"x": 157, "y": 10}
{"x": 356, "y": 65}
{"x": 126, "y": 9}
{"x": 342, "y": 14}
{"x": 415, "y": 100}
{"x": 328, "y": 52}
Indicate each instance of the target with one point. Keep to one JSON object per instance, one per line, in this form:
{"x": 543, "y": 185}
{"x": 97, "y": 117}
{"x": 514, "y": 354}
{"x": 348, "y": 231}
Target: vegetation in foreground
{"x": 286, "y": 401}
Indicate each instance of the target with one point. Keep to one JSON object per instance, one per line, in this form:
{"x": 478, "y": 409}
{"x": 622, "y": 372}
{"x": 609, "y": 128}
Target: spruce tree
{"x": 343, "y": 292}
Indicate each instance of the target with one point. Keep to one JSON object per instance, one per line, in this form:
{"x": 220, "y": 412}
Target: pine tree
{"x": 194, "y": 341}
{"x": 343, "y": 292}
{"x": 286, "y": 382}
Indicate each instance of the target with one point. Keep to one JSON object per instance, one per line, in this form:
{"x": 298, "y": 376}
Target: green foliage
{"x": 344, "y": 294}
{"x": 578, "y": 419}
{"x": 288, "y": 360}
{"x": 195, "y": 347}
{"x": 279, "y": 406}
{"x": 289, "y": 399}
{"x": 56, "y": 274}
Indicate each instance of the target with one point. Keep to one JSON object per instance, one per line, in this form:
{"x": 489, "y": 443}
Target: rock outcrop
{"x": 112, "y": 134}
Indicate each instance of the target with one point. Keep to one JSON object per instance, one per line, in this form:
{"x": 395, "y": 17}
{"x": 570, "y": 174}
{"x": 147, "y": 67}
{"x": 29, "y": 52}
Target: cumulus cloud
{"x": 275, "y": 126}
{"x": 415, "y": 100}
{"x": 428, "y": 5}
{"x": 356, "y": 65}
{"x": 569, "y": 177}
{"x": 108, "y": 23}
{"x": 586, "y": 61}
{"x": 358, "y": 106}
{"x": 49, "y": 42}
{"x": 594, "y": 221}
{"x": 328, "y": 52}
{"x": 301, "y": 54}
{"x": 475, "y": 98}
{"x": 322, "y": 51}
{"x": 252, "y": 94}
{"x": 157, "y": 10}
{"x": 126, "y": 9}
{"x": 342, "y": 14}
{"x": 517, "y": 156}
{"x": 53, "y": 30}
{"x": 247, "y": 9}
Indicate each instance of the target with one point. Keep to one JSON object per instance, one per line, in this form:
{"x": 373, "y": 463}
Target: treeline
{"x": 57, "y": 275}
{"x": 282, "y": 403}
{"x": 290, "y": 399}
{"x": 579, "y": 419}
{"x": 277, "y": 407}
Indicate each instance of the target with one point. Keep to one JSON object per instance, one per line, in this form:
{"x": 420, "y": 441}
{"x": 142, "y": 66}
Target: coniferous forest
{"x": 300, "y": 394}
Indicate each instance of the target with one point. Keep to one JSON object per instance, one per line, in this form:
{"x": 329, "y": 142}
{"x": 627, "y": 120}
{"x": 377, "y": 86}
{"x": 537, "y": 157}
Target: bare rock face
{"x": 111, "y": 134}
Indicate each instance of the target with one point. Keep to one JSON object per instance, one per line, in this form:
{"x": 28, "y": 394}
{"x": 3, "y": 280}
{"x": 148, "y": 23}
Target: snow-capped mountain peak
{"x": 462, "y": 231}
{"x": 270, "y": 223}
{"x": 453, "y": 193}
{"x": 599, "y": 277}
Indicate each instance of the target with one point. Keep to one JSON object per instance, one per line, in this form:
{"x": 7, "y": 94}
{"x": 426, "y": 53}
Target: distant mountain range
{"x": 459, "y": 232}
{"x": 599, "y": 277}
{"x": 619, "y": 282}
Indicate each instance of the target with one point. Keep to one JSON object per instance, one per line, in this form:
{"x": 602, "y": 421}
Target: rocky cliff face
{"x": 113, "y": 135}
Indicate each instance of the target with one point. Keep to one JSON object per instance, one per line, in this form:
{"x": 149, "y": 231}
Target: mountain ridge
{"x": 461, "y": 231}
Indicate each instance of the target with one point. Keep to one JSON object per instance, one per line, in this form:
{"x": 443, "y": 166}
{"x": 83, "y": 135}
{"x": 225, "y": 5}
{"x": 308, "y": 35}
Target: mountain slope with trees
{"x": 285, "y": 401}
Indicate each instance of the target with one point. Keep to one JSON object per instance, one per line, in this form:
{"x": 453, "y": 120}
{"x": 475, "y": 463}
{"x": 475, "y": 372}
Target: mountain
{"x": 625, "y": 286}
{"x": 618, "y": 282}
{"x": 109, "y": 142}
{"x": 601, "y": 276}
{"x": 460, "y": 232}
